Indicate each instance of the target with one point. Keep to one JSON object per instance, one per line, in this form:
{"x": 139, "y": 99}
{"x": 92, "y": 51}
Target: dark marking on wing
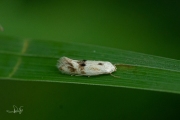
{"x": 82, "y": 63}
{"x": 100, "y": 63}
{"x": 82, "y": 72}
{"x": 70, "y": 64}
{"x": 60, "y": 69}
{"x": 72, "y": 69}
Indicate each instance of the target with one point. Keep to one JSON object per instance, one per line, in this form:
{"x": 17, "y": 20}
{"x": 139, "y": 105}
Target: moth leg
{"x": 114, "y": 76}
{"x": 81, "y": 75}
{"x": 78, "y": 75}
{"x": 73, "y": 75}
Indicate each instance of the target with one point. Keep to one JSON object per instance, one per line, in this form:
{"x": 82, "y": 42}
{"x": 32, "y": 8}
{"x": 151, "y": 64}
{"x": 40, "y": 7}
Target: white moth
{"x": 84, "y": 67}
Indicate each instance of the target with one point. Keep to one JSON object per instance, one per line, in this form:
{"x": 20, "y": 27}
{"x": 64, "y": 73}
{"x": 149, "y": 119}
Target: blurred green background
{"x": 150, "y": 27}
{"x": 144, "y": 26}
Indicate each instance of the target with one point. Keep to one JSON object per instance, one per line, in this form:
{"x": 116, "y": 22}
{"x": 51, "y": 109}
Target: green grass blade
{"x": 35, "y": 60}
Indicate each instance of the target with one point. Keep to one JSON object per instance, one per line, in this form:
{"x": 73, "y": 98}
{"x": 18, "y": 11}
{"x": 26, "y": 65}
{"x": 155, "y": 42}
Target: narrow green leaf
{"x": 35, "y": 60}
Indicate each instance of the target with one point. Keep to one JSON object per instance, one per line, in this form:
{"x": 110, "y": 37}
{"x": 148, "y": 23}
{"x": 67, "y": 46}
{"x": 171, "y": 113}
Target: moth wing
{"x": 97, "y": 68}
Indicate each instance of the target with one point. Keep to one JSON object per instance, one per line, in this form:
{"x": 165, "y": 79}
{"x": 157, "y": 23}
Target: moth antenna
{"x": 117, "y": 64}
{"x": 114, "y": 76}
